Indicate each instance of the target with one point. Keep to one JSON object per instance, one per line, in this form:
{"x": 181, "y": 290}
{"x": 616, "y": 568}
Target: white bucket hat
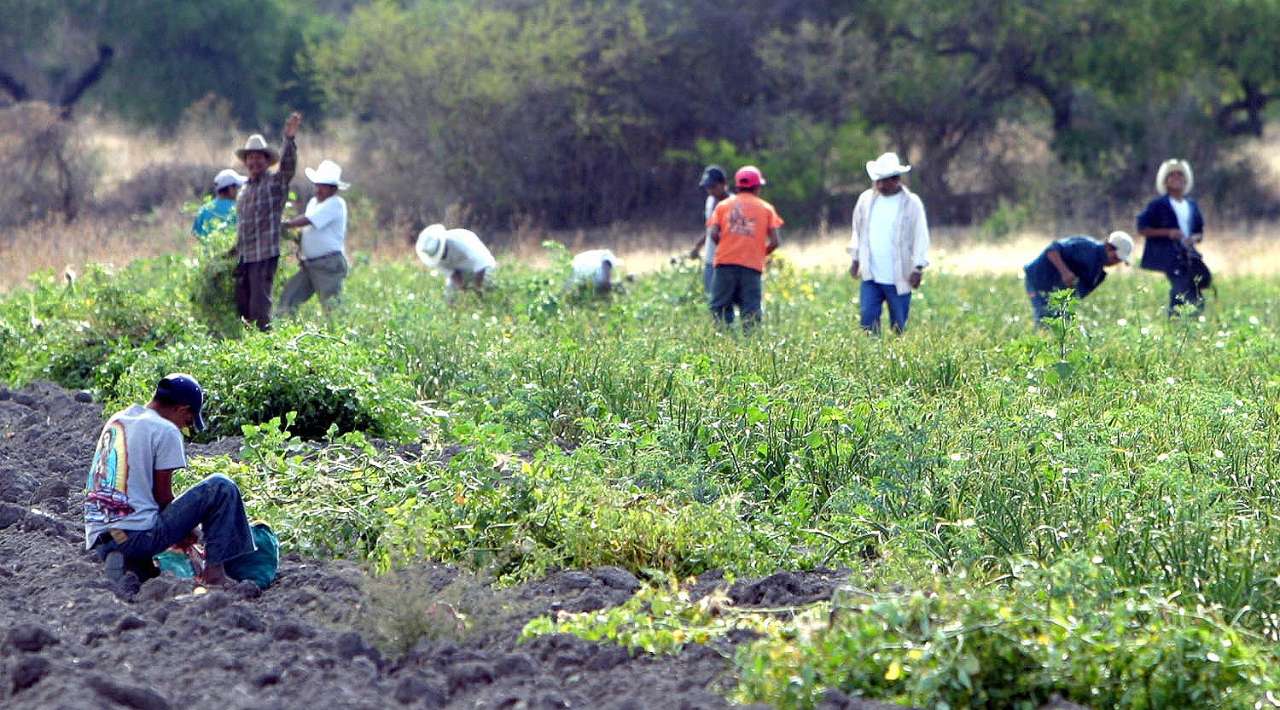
{"x": 258, "y": 144}
{"x": 1123, "y": 244}
{"x": 886, "y": 166}
{"x": 430, "y": 245}
{"x": 328, "y": 173}
{"x": 1174, "y": 165}
{"x": 227, "y": 178}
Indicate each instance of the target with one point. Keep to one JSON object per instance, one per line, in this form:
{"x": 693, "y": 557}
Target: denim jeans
{"x": 872, "y": 298}
{"x": 214, "y": 504}
{"x": 733, "y": 285}
{"x": 707, "y": 272}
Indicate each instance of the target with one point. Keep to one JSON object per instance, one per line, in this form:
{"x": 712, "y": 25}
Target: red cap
{"x": 748, "y": 176}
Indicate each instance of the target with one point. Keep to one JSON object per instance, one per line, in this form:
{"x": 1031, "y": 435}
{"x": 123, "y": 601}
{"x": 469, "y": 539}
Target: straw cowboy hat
{"x": 1174, "y": 165}
{"x": 258, "y": 144}
{"x": 1123, "y": 244}
{"x": 431, "y": 243}
{"x": 887, "y": 166}
{"x": 328, "y": 173}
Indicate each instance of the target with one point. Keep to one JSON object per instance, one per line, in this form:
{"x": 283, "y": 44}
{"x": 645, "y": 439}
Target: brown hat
{"x": 258, "y": 144}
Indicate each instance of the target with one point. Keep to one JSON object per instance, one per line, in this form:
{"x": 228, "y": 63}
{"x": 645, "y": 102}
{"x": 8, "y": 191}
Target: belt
{"x": 323, "y": 256}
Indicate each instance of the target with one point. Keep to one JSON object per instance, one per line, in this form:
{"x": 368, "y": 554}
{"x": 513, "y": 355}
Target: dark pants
{"x": 872, "y": 298}
{"x": 254, "y": 281}
{"x": 733, "y": 285}
{"x": 214, "y": 504}
{"x": 1183, "y": 290}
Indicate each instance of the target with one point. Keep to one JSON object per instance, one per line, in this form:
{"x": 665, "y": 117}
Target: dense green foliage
{"x": 1132, "y": 455}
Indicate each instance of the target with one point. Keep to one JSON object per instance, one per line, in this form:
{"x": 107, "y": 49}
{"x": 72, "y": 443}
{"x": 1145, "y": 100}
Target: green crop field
{"x": 1088, "y": 511}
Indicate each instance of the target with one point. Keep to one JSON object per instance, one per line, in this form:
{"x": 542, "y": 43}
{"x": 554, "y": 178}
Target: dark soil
{"x": 323, "y": 636}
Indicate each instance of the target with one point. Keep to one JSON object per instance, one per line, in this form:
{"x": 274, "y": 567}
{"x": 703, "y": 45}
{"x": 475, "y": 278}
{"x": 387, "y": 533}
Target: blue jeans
{"x": 733, "y": 285}
{"x": 214, "y": 504}
{"x": 873, "y": 296}
{"x": 707, "y": 272}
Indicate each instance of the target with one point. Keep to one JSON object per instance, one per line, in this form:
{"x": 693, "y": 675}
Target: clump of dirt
{"x": 324, "y": 635}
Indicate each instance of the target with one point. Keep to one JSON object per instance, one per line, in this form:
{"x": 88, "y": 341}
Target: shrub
{"x": 324, "y": 378}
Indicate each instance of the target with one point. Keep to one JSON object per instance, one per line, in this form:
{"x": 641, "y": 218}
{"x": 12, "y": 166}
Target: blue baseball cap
{"x": 712, "y": 175}
{"x": 180, "y": 388}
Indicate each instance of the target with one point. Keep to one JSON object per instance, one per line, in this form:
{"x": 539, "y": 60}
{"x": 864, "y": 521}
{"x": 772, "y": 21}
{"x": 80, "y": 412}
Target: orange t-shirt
{"x": 744, "y": 221}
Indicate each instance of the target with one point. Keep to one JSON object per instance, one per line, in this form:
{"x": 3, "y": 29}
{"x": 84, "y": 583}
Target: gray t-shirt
{"x": 134, "y": 444}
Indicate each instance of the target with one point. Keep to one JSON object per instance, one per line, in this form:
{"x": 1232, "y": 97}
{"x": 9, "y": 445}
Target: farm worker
{"x": 597, "y": 267}
{"x": 260, "y": 207}
{"x": 466, "y": 262}
{"x": 716, "y": 185}
{"x": 322, "y": 250}
{"x": 1173, "y": 226}
{"x": 1075, "y": 263}
{"x": 744, "y": 230}
{"x": 130, "y": 513}
{"x": 890, "y": 244}
{"x": 221, "y": 211}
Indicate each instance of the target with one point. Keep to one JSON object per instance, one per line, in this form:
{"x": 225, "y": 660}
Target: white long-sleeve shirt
{"x": 910, "y": 243}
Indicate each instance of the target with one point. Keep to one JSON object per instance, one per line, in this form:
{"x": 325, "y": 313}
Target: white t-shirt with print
{"x": 134, "y": 444}
{"x": 882, "y": 226}
{"x": 328, "y": 231}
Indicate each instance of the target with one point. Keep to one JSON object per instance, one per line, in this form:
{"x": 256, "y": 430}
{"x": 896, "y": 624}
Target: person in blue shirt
{"x": 1172, "y": 225}
{"x": 221, "y": 211}
{"x": 1078, "y": 263}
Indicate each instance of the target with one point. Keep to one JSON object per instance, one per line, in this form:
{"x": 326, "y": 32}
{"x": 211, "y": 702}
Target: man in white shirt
{"x": 890, "y": 244}
{"x": 458, "y": 253}
{"x": 322, "y": 249}
{"x": 716, "y": 184}
{"x": 596, "y": 268}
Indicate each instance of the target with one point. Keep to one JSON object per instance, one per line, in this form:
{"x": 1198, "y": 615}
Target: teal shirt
{"x": 212, "y": 215}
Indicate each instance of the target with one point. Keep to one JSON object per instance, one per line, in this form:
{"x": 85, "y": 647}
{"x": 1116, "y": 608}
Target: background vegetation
{"x": 567, "y": 113}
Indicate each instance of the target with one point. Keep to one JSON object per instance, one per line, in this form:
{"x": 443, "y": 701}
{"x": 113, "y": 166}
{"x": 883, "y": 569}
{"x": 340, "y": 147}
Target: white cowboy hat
{"x": 328, "y": 173}
{"x": 430, "y": 245}
{"x": 227, "y": 178}
{"x": 1123, "y": 244}
{"x": 886, "y": 166}
{"x": 258, "y": 144}
{"x": 1174, "y": 165}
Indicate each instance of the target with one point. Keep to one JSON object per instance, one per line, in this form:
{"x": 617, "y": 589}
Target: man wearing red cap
{"x": 744, "y": 229}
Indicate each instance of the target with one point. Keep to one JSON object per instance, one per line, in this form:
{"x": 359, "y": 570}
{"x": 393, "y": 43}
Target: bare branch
{"x": 90, "y": 77}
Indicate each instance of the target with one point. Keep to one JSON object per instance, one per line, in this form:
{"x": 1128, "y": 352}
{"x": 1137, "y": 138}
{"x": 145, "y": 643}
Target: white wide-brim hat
{"x": 1123, "y": 244}
{"x": 430, "y": 245}
{"x": 1174, "y": 165}
{"x": 258, "y": 144}
{"x": 328, "y": 173}
{"x": 886, "y": 166}
{"x": 227, "y": 178}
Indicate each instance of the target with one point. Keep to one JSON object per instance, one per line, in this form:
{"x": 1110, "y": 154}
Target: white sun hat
{"x": 227, "y": 178}
{"x": 430, "y": 245}
{"x": 258, "y": 144}
{"x": 1174, "y": 165}
{"x": 1123, "y": 244}
{"x": 887, "y": 166}
{"x": 328, "y": 173}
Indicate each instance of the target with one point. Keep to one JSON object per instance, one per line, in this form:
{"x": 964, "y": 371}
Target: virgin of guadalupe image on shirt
{"x": 107, "y": 488}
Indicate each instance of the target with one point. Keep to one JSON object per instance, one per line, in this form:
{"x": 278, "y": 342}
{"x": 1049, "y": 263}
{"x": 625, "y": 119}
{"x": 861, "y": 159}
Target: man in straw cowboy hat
{"x": 260, "y": 207}
{"x": 890, "y": 244}
{"x": 1172, "y": 226}
{"x": 466, "y": 262}
{"x": 221, "y": 210}
{"x": 1077, "y": 263}
{"x": 744, "y": 229}
{"x": 322, "y": 248}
